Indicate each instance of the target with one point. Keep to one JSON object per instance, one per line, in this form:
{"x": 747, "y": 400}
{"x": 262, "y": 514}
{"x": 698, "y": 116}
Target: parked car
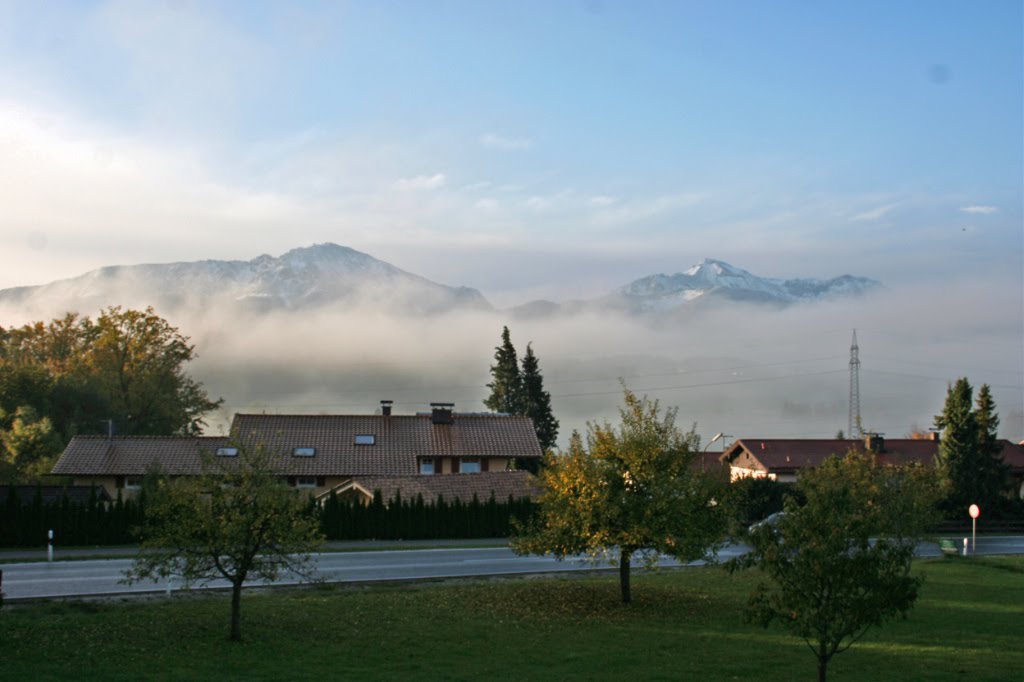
{"x": 771, "y": 521}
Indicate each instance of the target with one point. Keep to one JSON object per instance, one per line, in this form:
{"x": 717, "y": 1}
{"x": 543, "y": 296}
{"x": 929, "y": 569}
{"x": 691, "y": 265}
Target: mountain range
{"x": 332, "y": 275}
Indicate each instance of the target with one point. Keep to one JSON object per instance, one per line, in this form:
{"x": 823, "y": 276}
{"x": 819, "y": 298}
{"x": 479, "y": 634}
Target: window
{"x": 469, "y": 466}
{"x": 426, "y": 466}
{"x": 227, "y": 452}
{"x": 133, "y": 482}
{"x": 304, "y": 452}
{"x": 365, "y": 439}
{"x": 305, "y": 481}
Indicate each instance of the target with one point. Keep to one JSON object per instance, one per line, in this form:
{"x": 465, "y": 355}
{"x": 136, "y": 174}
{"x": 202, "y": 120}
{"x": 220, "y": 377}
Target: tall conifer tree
{"x": 507, "y": 385}
{"x": 537, "y": 401}
{"x": 969, "y": 452}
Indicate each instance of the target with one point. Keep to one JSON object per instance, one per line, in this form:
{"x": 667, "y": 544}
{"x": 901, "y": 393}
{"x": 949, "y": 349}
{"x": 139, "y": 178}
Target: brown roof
{"x": 398, "y": 442}
{"x": 134, "y": 455}
{"x": 502, "y": 484}
{"x": 790, "y": 454}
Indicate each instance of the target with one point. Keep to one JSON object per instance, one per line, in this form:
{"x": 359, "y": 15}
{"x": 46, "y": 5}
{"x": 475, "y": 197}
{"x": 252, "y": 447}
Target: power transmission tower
{"x": 853, "y": 428}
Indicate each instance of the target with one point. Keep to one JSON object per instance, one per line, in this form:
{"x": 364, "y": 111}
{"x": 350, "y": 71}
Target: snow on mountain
{"x": 714, "y": 278}
{"x": 319, "y": 275}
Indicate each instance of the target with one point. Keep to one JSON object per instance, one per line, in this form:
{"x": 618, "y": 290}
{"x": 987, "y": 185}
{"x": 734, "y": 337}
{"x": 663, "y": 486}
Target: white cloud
{"x": 979, "y": 210}
{"x": 537, "y": 203}
{"x": 421, "y": 182}
{"x": 495, "y": 141}
{"x": 486, "y": 205}
{"x": 602, "y": 200}
{"x": 873, "y": 214}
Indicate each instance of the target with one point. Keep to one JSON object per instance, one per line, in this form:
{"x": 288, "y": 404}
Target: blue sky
{"x": 529, "y": 149}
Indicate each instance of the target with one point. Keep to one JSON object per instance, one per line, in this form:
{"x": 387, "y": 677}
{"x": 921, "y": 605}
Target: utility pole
{"x": 853, "y": 427}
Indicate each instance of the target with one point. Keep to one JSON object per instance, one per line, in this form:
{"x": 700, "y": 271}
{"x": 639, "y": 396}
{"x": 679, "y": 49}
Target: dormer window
{"x": 304, "y": 452}
{"x": 227, "y": 452}
{"x": 426, "y": 466}
{"x": 365, "y": 439}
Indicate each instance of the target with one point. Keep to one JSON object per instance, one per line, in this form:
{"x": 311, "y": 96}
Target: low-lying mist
{"x": 743, "y": 370}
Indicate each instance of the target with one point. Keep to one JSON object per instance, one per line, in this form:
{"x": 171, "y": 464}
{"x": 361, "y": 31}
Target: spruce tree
{"x": 537, "y": 401}
{"x": 958, "y": 446}
{"x": 993, "y": 472}
{"x": 507, "y": 385}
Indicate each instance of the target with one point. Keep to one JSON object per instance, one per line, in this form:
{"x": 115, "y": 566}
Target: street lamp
{"x": 718, "y": 436}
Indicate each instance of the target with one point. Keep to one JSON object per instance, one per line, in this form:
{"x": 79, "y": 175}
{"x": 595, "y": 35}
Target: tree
{"x": 840, "y": 435}
{"x": 840, "y": 563}
{"x": 30, "y": 444}
{"x": 507, "y": 385}
{"x": 969, "y": 451}
{"x": 125, "y": 365}
{"x": 627, "y": 490}
{"x": 537, "y": 401}
{"x": 237, "y": 521}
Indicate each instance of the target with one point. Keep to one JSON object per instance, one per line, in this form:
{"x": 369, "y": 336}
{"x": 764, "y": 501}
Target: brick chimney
{"x": 385, "y": 407}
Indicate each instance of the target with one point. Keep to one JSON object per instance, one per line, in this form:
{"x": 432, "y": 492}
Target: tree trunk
{"x": 236, "y": 611}
{"x": 822, "y": 666}
{"x": 625, "y": 554}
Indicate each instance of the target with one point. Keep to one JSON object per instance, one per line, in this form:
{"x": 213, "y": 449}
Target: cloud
{"x": 421, "y": 182}
{"x": 602, "y": 200}
{"x": 495, "y": 141}
{"x": 486, "y": 205}
{"x": 873, "y": 214}
{"x": 979, "y": 210}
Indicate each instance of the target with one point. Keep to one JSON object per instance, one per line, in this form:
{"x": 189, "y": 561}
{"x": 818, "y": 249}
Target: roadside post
{"x": 49, "y": 545}
{"x": 975, "y": 513}
{"x": 965, "y": 546}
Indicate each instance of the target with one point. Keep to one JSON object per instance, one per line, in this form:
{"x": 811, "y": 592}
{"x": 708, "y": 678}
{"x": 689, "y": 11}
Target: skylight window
{"x": 227, "y": 452}
{"x": 304, "y": 452}
{"x": 365, "y": 439}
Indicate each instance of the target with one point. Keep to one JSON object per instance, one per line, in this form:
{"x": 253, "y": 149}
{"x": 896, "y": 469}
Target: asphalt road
{"x": 101, "y": 577}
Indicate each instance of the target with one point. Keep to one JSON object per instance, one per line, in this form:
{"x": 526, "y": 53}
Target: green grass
{"x": 683, "y": 625}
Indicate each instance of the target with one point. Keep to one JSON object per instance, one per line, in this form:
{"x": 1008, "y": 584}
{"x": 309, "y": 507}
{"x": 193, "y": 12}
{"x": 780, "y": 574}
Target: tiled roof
{"x": 502, "y": 484}
{"x": 50, "y": 494}
{"x": 134, "y": 455}
{"x": 398, "y": 442}
{"x": 778, "y": 455}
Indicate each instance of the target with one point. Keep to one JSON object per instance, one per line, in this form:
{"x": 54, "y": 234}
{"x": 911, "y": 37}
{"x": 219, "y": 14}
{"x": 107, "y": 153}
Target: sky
{"x": 529, "y": 149}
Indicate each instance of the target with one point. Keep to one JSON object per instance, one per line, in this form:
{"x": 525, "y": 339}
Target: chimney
{"x": 385, "y": 407}
{"x": 874, "y": 442}
{"x": 441, "y": 413}
{"x": 933, "y": 435}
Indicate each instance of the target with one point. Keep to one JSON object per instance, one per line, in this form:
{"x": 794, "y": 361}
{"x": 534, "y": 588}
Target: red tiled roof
{"x": 398, "y": 442}
{"x": 502, "y": 484}
{"x": 789, "y": 454}
{"x": 134, "y": 455}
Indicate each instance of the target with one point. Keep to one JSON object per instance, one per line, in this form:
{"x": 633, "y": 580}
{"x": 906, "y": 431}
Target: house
{"x": 783, "y": 459}
{"x": 321, "y": 453}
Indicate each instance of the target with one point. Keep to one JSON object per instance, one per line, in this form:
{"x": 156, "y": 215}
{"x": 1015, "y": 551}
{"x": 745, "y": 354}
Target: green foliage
{"x": 238, "y": 521}
{"x": 76, "y": 372}
{"x": 30, "y": 444}
{"x": 537, "y": 401}
{"x": 840, "y": 563}
{"x": 521, "y": 391}
{"x": 628, "y": 489}
{"x": 751, "y": 499}
{"x": 969, "y": 454}
{"x": 507, "y": 384}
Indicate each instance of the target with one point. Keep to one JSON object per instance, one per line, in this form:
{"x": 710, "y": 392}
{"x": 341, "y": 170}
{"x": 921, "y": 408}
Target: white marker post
{"x": 975, "y": 513}
{"x": 965, "y": 546}
{"x": 49, "y": 545}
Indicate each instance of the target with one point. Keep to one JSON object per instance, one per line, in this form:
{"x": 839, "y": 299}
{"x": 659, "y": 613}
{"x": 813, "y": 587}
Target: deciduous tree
{"x": 238, "y": 521}
{"x": 626, "y": 490}
{"x": 840, "y": 563}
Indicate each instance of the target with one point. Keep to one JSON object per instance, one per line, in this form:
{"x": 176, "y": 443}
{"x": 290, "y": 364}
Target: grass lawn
{"x": 968, "y": 625}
